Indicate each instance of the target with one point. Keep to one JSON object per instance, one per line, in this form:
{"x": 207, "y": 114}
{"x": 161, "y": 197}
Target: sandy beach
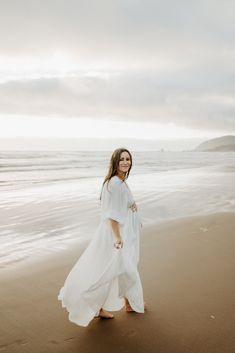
{"x": 187, "y": 270}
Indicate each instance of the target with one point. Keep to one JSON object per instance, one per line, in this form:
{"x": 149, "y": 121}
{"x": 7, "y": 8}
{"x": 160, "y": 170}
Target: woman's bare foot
{"x": 129, "y": 308}
{"x": 105, "y": 314}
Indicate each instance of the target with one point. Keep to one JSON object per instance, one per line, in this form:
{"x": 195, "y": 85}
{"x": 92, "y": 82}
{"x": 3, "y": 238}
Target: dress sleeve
{"x": 113, "y": 202}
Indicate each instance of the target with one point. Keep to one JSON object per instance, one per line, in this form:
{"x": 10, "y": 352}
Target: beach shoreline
{"x": 48, "y": 199}
{"x": 187, "y": 269}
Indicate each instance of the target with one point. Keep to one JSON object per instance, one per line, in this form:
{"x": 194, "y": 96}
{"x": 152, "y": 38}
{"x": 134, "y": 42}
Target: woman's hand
{"x": 118, "y": 242}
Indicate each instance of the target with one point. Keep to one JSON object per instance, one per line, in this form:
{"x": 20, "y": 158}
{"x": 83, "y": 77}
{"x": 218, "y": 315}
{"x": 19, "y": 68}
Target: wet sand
{"x": 187, "y": 269}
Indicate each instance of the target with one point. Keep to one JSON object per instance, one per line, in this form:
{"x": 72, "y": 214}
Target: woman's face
{"x": 124, "y": 162}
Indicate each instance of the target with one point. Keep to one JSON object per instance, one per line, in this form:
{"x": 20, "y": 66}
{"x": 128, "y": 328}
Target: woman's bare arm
{"x": 116, "y": 231}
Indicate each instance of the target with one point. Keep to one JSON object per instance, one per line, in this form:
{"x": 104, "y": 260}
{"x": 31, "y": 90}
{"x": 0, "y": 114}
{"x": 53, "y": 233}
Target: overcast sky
{"x": 150, "y": 70}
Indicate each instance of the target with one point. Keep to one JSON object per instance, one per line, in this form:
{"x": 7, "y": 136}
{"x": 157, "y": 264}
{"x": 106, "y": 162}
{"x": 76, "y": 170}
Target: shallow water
{"x": 49, "y": 200}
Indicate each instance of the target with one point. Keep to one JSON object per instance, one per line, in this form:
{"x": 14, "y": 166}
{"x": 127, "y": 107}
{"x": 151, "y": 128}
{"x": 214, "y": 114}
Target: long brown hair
{"x": 114, "y": 163}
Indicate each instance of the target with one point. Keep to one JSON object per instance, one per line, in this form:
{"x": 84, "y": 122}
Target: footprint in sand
{"x": 17, "y": 342}
{"x": 53, "y": 342}
{"x": 69, "y": 339}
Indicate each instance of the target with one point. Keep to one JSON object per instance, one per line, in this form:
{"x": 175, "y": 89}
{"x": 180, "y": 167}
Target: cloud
{"x": 132, "y": 95}
{"x": 118, "y": 31}
{"x": 153, "y": 60}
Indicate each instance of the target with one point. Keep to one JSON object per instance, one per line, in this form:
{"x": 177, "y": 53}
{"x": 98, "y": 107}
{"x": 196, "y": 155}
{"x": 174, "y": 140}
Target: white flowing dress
{"x": 104, "y": 275}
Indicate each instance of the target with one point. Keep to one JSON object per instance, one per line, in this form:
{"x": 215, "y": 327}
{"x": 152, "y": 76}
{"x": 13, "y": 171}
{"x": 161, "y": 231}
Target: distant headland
{"x": 219, "y": 144}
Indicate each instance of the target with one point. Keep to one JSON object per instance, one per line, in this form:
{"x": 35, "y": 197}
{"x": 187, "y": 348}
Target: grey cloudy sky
{"x": 138, "y": 61}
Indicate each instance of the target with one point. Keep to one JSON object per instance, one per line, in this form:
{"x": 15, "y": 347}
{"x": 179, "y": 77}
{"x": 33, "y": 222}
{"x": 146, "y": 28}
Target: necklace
{"x": 122, "y": 179}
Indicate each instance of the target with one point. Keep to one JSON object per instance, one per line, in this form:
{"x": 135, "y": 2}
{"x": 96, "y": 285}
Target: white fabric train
{"x": 103, "y": 275}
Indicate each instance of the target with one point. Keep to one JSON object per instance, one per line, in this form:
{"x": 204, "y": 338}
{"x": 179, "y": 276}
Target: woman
{"x": 106, "y": 278}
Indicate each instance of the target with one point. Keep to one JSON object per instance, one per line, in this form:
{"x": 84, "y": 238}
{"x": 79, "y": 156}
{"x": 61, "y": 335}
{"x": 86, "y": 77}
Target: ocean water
{"x": 49, "y": 200}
